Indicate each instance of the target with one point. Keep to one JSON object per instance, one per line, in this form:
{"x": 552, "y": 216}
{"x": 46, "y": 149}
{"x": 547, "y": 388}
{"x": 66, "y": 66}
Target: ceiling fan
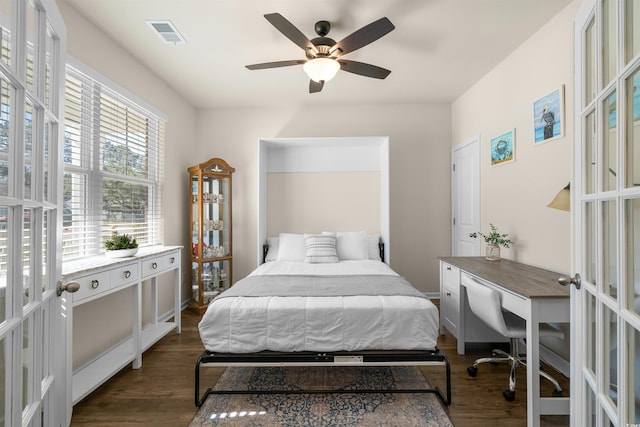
{"x": 324, "y": 54}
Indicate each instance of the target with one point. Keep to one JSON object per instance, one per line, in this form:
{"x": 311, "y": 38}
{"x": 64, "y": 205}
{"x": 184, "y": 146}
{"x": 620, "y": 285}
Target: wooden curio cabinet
{"x": 211, "y": 240}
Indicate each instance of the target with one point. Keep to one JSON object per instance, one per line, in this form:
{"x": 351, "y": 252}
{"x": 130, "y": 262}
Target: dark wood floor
{"x": 161, "y": 393}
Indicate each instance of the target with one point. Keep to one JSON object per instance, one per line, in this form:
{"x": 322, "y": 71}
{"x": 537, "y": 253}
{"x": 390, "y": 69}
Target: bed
{"x": 321, "y": 301}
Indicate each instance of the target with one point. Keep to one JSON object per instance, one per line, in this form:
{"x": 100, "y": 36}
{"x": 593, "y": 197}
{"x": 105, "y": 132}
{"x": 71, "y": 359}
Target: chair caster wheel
{"x": 509, "y": 395}
{"x": 472, "y": 370}
{"x": 557, "y": 393}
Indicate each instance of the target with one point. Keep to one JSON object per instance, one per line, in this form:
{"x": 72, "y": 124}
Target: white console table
{"x": 99, "y": 276}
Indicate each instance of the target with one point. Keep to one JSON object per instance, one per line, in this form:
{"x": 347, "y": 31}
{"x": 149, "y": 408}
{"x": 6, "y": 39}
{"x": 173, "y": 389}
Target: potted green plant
{"x": 493, "y": 240}
{"x": 121, "y": 245}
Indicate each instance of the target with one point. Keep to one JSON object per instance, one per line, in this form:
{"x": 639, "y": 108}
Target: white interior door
{"x": 31, "y": 105}
{"x": 465, "y": 198}
{"x": 606, "y": 215}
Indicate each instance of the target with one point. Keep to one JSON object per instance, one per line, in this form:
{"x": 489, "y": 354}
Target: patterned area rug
{"x": 326, "y": 409}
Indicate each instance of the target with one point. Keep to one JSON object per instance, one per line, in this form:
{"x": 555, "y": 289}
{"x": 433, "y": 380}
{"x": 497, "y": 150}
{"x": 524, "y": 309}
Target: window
{"x": 113, "y": 166}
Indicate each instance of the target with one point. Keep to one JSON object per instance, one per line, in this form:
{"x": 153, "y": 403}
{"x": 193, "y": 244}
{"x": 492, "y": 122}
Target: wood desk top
{"x": 526, "y": 280}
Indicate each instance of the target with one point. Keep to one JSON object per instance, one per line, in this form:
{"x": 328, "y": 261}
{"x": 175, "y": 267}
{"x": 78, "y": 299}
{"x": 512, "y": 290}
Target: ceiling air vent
{"x": 167, "y": 31}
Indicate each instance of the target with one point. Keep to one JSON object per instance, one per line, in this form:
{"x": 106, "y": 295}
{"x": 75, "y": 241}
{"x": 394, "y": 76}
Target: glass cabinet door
{"x": 211, "y": 241}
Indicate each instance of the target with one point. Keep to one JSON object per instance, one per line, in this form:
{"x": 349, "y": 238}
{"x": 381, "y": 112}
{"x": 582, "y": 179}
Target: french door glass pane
{"x": 590, "y": 151}
{"x": 634, "y": 375}
{"x": 45, "y": 256}
{"x": 50, "y": 50}
{"x": 32, "y": 36}
{"x": 590, "y": 413}
{"x": 632, "y": 143}
{"x": 610, "y": 140}
{"x": 632, "y": 225}
{"x": 631, "y": 30}
{"x": 591, "y": 333}
{"x": 610, "y": 336}
{"x": 27, "y": 257}
{"x": 590, "y": 242}
{"x": 5, "y": 122}
{"x": 6, "y": 27}
{"x": 4, "y": 266}
{"x": 28, "y": 150}
{"x": 609, "y": 40}
{"x": 610, "y": 248}
{"x": 590, "y": 66}
{"x": 48, "y": 131}
{"x": 26, "y": 360}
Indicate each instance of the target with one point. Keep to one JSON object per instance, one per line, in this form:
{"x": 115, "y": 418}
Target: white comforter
{"x": 323, "y": 324}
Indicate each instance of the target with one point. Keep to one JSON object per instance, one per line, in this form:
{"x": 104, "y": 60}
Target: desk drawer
{"x": 124, "y": 275}
{"x": 91, "y": 285}
{"x": 450, "y": 308}
{"x": 451, "y": 274}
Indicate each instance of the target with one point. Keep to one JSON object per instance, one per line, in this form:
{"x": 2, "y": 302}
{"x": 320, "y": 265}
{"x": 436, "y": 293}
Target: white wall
{"x": 89, "y": 45}
{"x": 419, "y": 156}
{"x": 514, "y": 196}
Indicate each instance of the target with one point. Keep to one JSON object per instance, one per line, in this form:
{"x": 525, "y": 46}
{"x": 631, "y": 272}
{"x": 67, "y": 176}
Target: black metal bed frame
{"x": 364, "y": 358}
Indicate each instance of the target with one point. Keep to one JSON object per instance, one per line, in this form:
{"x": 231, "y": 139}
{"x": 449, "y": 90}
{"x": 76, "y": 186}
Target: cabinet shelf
{"x": 210, "y": 216}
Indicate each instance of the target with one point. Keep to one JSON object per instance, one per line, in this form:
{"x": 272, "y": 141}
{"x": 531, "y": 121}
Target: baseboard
{"x": 432, "y": 295}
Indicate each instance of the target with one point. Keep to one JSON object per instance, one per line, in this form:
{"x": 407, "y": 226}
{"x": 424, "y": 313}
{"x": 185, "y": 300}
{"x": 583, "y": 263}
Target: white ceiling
{"x": 437, "y": 51}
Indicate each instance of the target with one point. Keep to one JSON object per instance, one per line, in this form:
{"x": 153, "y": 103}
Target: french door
{"x": 33, "y": 366}
{"x": 606, "y": 215}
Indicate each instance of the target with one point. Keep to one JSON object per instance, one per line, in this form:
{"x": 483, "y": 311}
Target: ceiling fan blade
{"x": 290, "y": 31}
{"x": 275, "y": 64}
{"x": 363, "y": 36}
{"x": 363, "y": 69}
{"x": 315, "y": 86}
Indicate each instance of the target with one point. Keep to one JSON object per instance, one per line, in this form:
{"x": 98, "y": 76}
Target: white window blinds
{"x": 113, "y": 164}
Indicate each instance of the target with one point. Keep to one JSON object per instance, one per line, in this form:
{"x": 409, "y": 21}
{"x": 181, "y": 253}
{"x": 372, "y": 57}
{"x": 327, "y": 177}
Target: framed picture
{"x": 503, "y": 148}
{"x": 548, "y": 116}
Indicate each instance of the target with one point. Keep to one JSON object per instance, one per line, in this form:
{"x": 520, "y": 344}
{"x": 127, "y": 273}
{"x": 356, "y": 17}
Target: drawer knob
{"x": 154, "y": 265}
{"x": 127, "y": 274}
{"x": 172, "y": 260}
{"x": 448, "y": 294}
{"x": 95, "y": 284}
{"x": 449, "y": 268}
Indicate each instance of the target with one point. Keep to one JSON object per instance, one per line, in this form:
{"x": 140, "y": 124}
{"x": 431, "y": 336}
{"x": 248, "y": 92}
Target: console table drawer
{"x": 153, "y": 266}
{"x": 171, "y": 261}
{"x": 124, "y": 275}
{"x": 91, "y": 285}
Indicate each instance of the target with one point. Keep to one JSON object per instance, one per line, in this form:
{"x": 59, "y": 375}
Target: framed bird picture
{"x": 503, "y": 148}
{"x": 548, "y": 116}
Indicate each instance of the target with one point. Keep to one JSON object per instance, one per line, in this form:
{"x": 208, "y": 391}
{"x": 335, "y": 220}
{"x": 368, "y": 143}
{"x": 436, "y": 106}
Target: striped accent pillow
{"x": 320, "y": 248}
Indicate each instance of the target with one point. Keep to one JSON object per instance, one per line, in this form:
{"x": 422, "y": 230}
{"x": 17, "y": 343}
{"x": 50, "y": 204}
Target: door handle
{"x": 566, "y": 281}
{"x": 70, "y": 287}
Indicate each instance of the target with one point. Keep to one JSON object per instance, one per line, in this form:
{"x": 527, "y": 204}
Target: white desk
{"x": 533, "y": 294}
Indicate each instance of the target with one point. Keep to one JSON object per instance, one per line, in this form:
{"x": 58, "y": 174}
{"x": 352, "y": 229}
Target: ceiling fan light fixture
{"x": 321, "y": 69}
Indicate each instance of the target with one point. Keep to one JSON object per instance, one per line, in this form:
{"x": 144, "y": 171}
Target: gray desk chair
{"x": 485, "y": 303}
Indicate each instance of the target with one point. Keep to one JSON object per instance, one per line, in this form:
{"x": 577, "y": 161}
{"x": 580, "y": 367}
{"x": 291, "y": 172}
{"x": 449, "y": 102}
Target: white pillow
{"x": 320, "y": 248}
{"x": 272, "y": 251}
{"x": 372, "y": 243}
{"x": 352, "y": 245}
{"x": 291, "y": 247}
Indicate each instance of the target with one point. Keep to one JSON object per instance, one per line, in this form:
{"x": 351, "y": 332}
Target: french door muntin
{"x": 606, "y": 319}
{"x": 32, "y": 366}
